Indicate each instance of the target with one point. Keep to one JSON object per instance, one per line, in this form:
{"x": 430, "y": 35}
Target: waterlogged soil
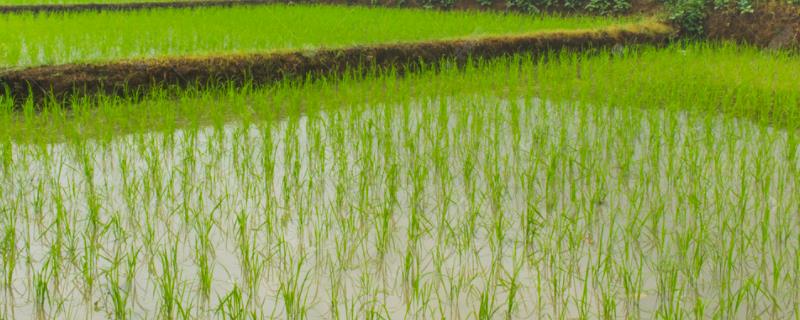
{"x": 451, "y": 208}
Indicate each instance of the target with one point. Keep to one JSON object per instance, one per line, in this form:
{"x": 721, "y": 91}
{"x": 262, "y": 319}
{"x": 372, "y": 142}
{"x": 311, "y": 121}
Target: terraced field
{"x": 68, "y": 2}
{"x": 578, "y": 182}
{"x": 91, "y": 36}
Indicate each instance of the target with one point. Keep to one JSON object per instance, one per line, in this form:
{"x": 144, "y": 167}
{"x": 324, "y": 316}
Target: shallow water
{"x": 437, "y": 209}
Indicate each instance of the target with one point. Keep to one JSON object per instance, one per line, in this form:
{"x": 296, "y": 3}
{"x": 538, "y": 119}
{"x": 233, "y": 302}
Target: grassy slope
{"x": 64, "y": 38}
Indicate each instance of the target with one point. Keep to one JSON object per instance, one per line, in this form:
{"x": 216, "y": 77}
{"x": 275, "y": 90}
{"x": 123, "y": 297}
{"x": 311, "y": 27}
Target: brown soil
{"x": 125, "y": 77}
{"x": 771, "y": 25}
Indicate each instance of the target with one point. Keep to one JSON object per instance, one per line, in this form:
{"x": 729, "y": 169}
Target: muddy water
{"x": 462, "y": 208}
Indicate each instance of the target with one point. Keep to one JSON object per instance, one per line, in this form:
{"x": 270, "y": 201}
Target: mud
{"x": 124, "y": 78}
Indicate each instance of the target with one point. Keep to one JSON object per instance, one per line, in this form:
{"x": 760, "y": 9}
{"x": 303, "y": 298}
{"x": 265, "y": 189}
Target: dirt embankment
{"x": 772, "y": 26}
{"x": 125, "y": 77}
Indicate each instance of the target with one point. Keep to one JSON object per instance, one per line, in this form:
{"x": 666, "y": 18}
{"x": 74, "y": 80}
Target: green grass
{"x": 77, "y": 37}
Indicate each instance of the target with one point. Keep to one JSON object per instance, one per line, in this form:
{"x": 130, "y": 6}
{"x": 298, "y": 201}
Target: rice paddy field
{"x": 61, "y": 2}
{"x": 59, "y": 38}
{"x": 640, "y": 182}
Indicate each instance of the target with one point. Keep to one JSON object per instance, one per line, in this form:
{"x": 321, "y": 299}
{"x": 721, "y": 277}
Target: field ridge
{"x": 120, "y": 78}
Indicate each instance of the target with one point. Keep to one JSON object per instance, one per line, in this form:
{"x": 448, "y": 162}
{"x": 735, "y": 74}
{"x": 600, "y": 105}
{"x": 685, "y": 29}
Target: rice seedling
{"x": 61, "y": 38}
{"x": 28, "y": 2}
{"x": 510, "y": 189}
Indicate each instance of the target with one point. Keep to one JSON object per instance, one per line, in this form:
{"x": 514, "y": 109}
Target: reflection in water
{"x": 465, "y": 208}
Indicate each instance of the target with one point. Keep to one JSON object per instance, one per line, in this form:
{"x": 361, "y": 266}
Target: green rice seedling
{"x": 60, "y": 224}
{"x": 486, "y": 307}
{"x": 60, "y": 38}
{"x": 131, "y": 263}
{"x": 294, "y": 290}
{"x": 9, "y": 249}
{"x": 334, "y": 291}
{"x": 233, "y": 306}
{"x": 251, "y": 262}
{"x": 410, "y": 276}
{"x": 118, "y": 294}
{"x": 61, "y": 2}
{"x": 88, "y": 268}
{"x": 511, "y": 282}
{"x": 170, "y": 289}
{"x": 203, "y": 251}
{"x": 384, "y": 233}
{"x": 41, "y": 280}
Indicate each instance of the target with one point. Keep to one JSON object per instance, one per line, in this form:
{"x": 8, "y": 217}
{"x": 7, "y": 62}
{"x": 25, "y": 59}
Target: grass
{"x": 592, "y": 186}
{"x": 79, "y": 37}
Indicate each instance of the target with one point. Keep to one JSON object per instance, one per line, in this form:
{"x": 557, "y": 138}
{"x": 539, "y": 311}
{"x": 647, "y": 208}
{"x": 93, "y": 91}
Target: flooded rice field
{"x": 467, "y": 207}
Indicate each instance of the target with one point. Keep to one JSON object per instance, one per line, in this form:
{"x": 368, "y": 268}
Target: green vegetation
{"x": 649, "y": 183}
{"x": 602, "y": 7}
{"x": 712, "y": 78}
{"x": 78, "y": 37}
{"x": 691, "y": 15}
{"x": 34, "y": 2}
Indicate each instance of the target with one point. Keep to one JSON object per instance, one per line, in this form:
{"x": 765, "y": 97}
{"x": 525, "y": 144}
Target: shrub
{"x": 689, "y": 15}
{"x": 602, "y": 7}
